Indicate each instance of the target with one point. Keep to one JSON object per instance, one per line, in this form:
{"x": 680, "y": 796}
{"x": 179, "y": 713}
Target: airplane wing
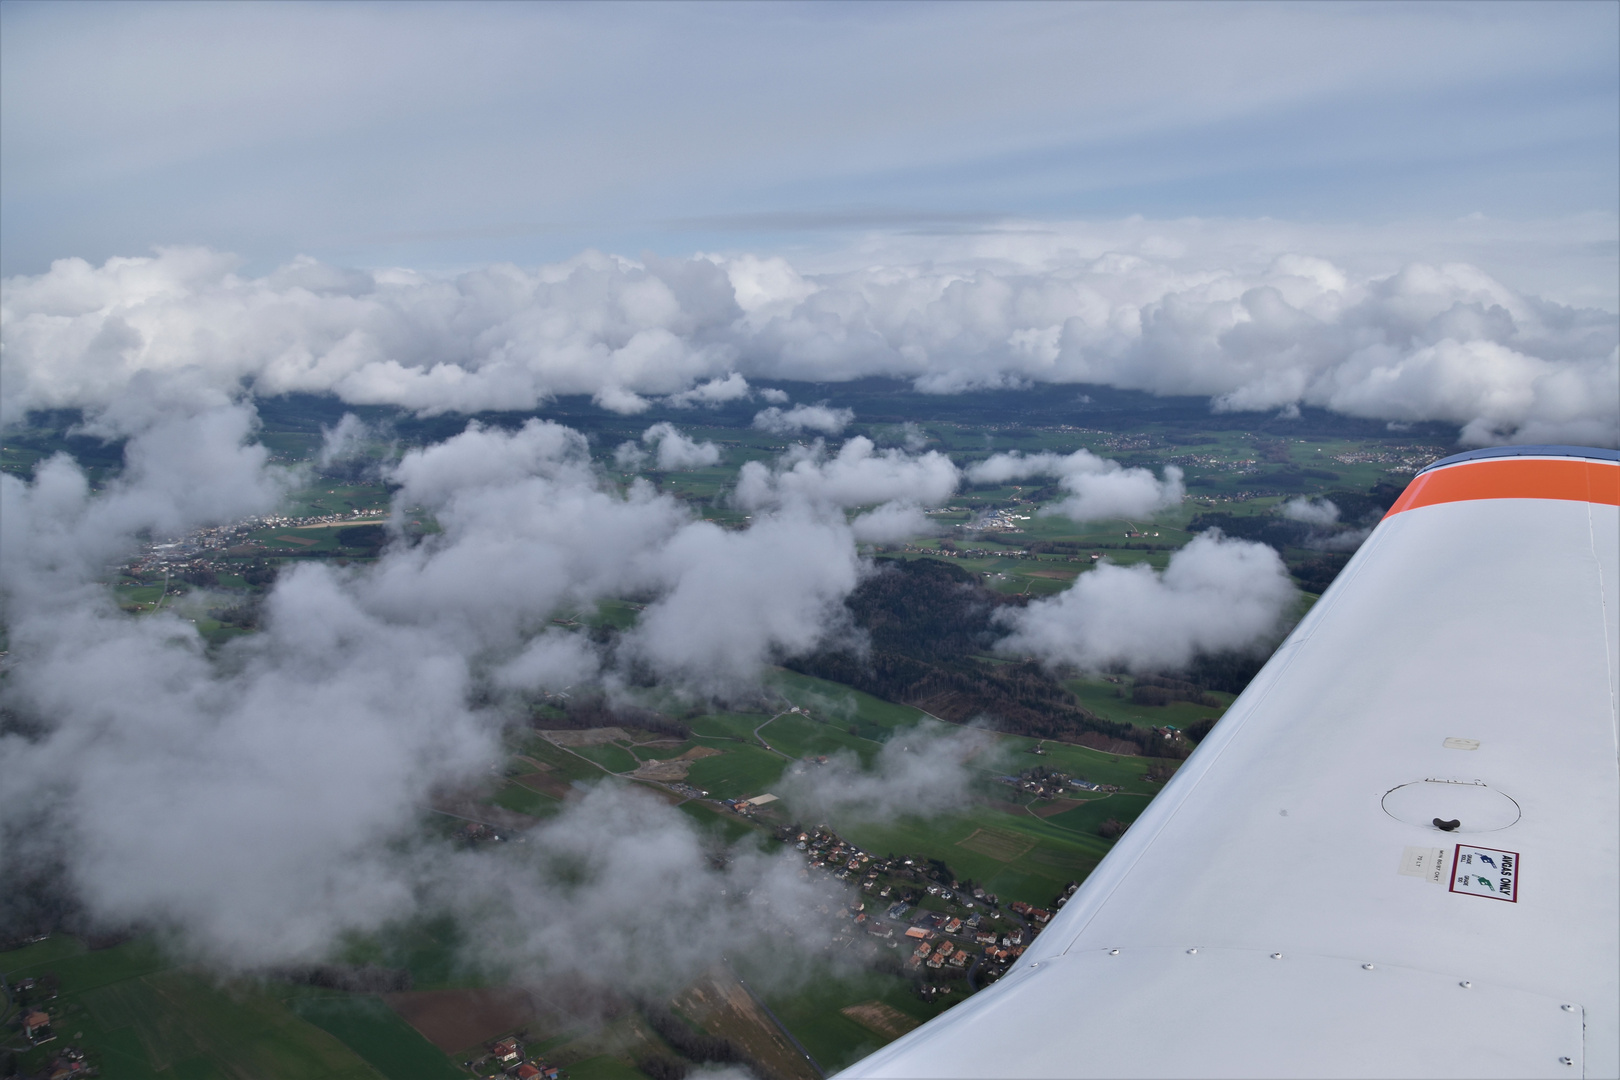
{"x": 1398, "y": 854}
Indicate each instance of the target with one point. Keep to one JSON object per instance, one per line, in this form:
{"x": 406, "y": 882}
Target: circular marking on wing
{"x": 1434, "y": 804}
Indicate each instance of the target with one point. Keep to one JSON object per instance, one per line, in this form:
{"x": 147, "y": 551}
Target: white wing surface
{"x": 1288, "y": 906}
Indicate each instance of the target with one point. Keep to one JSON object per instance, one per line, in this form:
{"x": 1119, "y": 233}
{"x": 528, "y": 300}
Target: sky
{"x": 443, "y": 137}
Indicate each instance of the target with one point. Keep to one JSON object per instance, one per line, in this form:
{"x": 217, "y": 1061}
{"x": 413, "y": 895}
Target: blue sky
{"x": 440, "y": 136}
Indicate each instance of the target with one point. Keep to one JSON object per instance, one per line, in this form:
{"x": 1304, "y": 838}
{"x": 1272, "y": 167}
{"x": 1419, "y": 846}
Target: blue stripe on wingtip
{"x": 1592, "y": 453}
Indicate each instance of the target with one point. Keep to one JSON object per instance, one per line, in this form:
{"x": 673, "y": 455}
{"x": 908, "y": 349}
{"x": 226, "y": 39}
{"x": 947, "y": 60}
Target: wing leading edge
{"x": 1287, "y": 906}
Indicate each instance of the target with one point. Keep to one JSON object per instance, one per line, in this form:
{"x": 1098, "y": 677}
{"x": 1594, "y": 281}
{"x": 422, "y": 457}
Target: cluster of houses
{"x": 1047, "y": 784}
{"x": 476, "y": 832}
{"x": 974, "y": 937}
{"x": 747, "y": 807}
{"x": 939, "y": 940}
{"x": 197, "y": 550}
{"x": 37, "y": 1030}
{"x": 997, "y": 521}
{"x": 69, "y": 1063}
{"x": 508, "y": 1056}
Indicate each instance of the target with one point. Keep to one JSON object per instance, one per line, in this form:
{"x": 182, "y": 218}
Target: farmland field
{"x": 736, "y": 773}
{"x": 1103, "y": 699}
{"x": 798, "y": 737}
{"x": 814, "y": 1011}
{"x": 1003, "y": 845}
{"x": 610, "y": 756}
{"x": 138, "y": 1019}
{"x": 376, "y": 1033}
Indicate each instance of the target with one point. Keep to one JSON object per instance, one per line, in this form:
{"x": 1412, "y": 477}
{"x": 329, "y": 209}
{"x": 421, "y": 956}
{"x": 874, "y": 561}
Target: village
{"x": 35, "y": 1022}
{"x": 201, "y": 549}
{"x": 510, "y": 1057}
{"x": 1050, "y": 784}
{"x": 947, "y": 930}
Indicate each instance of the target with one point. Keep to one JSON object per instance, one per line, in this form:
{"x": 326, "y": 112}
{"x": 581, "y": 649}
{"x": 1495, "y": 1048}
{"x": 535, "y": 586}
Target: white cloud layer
{"x": 803, "y": 418}
{"x": 260, "y": 801}
{"x": 919, "y": 772}
{"x": 1098, "y": 487}
{"x": 714, "y": 392}
{"x": 1318, "y": 511}
{"x": 1166, "y": 312}
{"x": 858, "y": 475}
{"x": 678, "y": 451}
{"x": 1216, "y": 595}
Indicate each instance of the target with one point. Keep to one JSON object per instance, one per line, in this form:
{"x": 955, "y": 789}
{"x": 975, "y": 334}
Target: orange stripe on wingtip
{"x": 1572, "y": 479}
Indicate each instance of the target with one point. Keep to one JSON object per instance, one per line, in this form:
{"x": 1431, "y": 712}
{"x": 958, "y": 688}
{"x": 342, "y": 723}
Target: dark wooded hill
{"x": 925, "y": 620}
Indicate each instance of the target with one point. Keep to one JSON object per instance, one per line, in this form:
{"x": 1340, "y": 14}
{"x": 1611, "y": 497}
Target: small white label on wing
{"x": 1483, "y": 871}
{"x": 1461, "y": 744}
{"x": 1427, "y": 863}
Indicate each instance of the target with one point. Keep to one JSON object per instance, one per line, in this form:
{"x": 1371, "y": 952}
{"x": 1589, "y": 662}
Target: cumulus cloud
{"x": 1125, "y": 307}
{"x": 343, "y": 440}
{"x": 803, "y": 418}
{"x": 1098, "y": 487}
{"x": 576, "y": 896}
{"x": 920, "y": 771}
{"x": 1216, "y": 595}
{"x": 261, "y": 799}
{"x": 774, "y": 396}
{"x": 741, "y": 599}
{"x": 712, "y": 393}
{"x": 858, "y": 475}
{"x": 1311, "y": 511}
{"x": 891, "y": 523}
{"x": 678, "y": 451}
{"x": 614, "y": 399}
{"x": 628, "y": 456}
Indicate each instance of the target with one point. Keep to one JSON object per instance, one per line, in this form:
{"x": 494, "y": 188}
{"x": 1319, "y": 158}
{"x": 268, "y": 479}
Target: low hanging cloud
{"x": 628, "y": 456}
{"x": 892, "y": 523}
{"x": 858, "y": 475}
{"x": 622, "y": 889}
{"x": 713, "y": 393}
{"x": 1327, "y": 532}
{"x": 259, "y": 801}
{"x": 678, "y": 451}
{"x": 1318, "y": 511}
{"x": 1235, "y": 314}
{"x": 742, "y": 599}
{"x": 802, "y": 418}
{"x": 1098, "y": 487}
{"x": 1216, "y": 595}
{"x": 343, "y": 440}
{"x": 919, "y": 772}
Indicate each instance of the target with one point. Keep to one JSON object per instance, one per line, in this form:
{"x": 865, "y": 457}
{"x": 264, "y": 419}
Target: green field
{"x": 562, "y": 763}
{"x": 376, "y": 1033}
{"x": 514, "y": 796}
{"x": 603, "y": 1067}
{"x": 728, "y": 826}
{"x": 1009, "y": 852}
{"x": 799, "y": 737}
{"x": 727, "y": 726}
{"x": 810, "y": 1010}
{"x": 662, "y": 753}
{"x": 136, "y": 1018}
{"x": 841, "y": 705}
{"x": 1102, "y": 698}
{"x": 610, "y": 756}
{"x": 1122, "y": 771}
{"x": 736, "y": 773}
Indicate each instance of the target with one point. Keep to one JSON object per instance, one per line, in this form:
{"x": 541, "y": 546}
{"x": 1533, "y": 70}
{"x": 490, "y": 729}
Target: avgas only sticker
{"x": 1488, "y": 872}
